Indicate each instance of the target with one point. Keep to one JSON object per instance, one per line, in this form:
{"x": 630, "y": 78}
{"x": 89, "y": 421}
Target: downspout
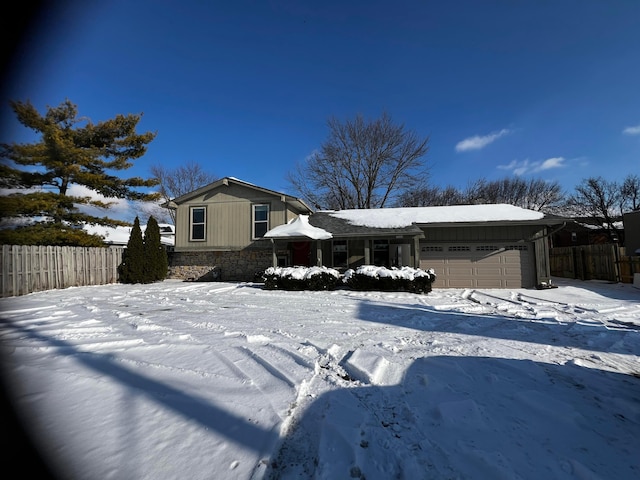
{"x": 283, "y": 199}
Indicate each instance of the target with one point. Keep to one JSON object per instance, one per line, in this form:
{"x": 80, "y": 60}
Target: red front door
{"x": 301, "y": 254}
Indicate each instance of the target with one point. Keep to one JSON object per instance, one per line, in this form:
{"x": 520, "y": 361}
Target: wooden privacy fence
{"x": 33, "y": 268}
{"x": 594, "y": 262}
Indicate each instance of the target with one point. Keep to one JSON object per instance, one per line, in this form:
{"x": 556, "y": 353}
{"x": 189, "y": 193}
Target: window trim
{"x": 203, "y": 223}
{"x": 255, "y": 222}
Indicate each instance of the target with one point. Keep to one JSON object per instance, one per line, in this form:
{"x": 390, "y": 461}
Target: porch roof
{"x": 298, "y": 228}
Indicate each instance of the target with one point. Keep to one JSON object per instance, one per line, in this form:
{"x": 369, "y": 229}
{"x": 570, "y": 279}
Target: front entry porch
{"x": 344, "y": 253}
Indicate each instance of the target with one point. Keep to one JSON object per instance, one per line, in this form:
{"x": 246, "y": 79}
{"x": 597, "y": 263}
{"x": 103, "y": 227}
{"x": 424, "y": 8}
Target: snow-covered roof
{"x": 399, "y": 221}
{"x": 617, "y": 225}
{"x": 298, "y": 227}
{"x": 120, "y": 235}
{"x": 404, "y": 217}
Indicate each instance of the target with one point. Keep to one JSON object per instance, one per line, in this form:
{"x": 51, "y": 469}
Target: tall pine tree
{"x": 72, "y": 151}
{"x": 156, "y": 262}
{"x": 132, "y": 269}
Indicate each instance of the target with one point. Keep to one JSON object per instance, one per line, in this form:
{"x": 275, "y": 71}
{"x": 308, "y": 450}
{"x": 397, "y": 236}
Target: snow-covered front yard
{"x": 180, "y": 380}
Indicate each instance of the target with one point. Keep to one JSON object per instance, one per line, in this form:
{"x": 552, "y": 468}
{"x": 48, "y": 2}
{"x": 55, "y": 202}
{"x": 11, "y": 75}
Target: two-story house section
{"x": 220, "y": 229}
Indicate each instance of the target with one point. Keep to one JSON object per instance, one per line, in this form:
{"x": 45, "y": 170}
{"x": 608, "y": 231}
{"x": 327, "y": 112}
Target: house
{"x": 232, "y": 229}
{"x": 468, "y": 246}
{"x": 220, "y": 229}
{"x": 586, "y": 231}
{"x": 119, "y": 236}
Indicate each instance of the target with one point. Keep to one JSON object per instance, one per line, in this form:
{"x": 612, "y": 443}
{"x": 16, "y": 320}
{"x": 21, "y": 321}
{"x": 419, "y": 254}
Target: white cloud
{"x": 517, "y": 167}
{"x": 478, "y": 142}
{"x": 555, "y": 162}
{"x": 522, "y": 167}
{"x": 632, "y": 130}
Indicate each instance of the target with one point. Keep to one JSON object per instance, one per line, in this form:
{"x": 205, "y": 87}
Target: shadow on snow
{"x": 542, "y": 331}
{"x": 234, "y": 428}
{"x": 470, "y": 417}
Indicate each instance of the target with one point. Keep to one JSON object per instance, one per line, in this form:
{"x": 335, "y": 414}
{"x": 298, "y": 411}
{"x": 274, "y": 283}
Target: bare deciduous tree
{"x": 533, "y": 194}
{"x": 431, "y": 196}
{"x": 362, "y": 165}
{"x": 179, "y": 181}
{"x": 631, "y": 193}
{"x": 600, "y": 201}
{"x": 605, "y": 201}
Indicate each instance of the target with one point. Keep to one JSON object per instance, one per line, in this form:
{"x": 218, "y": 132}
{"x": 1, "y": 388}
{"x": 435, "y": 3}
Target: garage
{"x": 468, "y": 246}
{"x": 480, "y": 265}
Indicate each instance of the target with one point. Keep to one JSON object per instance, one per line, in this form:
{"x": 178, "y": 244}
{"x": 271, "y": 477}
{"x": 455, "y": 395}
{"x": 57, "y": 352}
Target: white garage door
{"x": 479, "y": 265}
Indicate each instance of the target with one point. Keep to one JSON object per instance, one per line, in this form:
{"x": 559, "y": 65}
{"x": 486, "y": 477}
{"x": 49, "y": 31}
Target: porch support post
{"x": 274, "y": 255}
{"x": 318, "y": 253}
{"x": 416, "y": 251}
{"x": 367, "y": 251}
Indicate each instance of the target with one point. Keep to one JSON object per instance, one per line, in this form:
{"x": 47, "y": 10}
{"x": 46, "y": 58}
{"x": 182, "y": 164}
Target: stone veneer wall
{"x": 239, "y": 266}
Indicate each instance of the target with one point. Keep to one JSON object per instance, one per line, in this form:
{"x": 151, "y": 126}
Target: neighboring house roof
{"x": 591, "y": 226}
{"x": 298, "y": 227}
{"x": 297, "y": 202}
{"x": 120, "y": 235}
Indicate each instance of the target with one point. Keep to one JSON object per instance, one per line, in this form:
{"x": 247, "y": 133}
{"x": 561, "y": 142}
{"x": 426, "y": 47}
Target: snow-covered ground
{"x": 180, "y": 380}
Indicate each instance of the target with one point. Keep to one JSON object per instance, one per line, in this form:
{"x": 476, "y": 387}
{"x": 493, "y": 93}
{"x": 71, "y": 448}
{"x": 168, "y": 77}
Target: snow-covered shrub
{"x": 371, "y": 277}
{"x": 300, "y": 278}
{"x": 366, "y": 277}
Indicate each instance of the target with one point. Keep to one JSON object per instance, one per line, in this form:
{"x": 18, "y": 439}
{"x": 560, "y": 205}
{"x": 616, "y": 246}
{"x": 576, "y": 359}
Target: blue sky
{"x": 549, "y": 89}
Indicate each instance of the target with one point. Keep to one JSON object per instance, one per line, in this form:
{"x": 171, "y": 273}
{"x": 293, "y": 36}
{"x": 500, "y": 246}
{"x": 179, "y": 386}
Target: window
{"x": 283, "y": 260}
{"x": 198, "y": 222}
{"x": 381, "y": 253}
{"x": 260, "y": 220}
{"x": 340, "y": 255}
{"x": 522, "y": 248}
{"x": 460, "y": 248}
{"x": 486, "y": 248}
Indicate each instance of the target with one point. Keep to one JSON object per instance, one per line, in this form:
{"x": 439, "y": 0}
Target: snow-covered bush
{"x": 371, "y": 277}
{"x": 366, "y": 277}
{"x": 300, "y": 278}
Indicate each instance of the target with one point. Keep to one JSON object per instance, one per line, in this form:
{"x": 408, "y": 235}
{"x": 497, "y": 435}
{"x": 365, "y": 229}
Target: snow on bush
{"x": 371, "y": 277}
{"x": 365, "y": 277}
{"x": 300, "y": 273}
{"x": 406, "y": 273}
{"x": 300, "y": 278}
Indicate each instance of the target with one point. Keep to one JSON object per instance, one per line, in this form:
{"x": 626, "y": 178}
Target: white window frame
{"x": 255, "y": 222}
{"x": 193, "y": 224}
